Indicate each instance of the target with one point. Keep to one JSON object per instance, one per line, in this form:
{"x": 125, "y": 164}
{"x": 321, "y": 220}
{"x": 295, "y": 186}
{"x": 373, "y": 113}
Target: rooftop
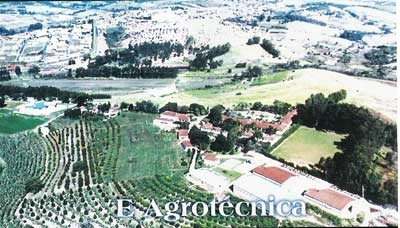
{"x": 330, "y": 197}
{"x": 274, "y": 173}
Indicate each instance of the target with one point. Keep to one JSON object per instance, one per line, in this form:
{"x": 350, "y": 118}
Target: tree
{"x": 34, "y": 69}
{"x": 221, "y": 144}
{"x": 215, "y": 115}
{"x": 257, "y": 106}
{"x": 33, "y": 185}
{"x": 338, "y": 96}
{"x": 197, "y": 110}
{"x": 2, "y": 102}
{"x": 270, "y": 48}
{"x": 73, "y": 113}
{"x": 229, "y": 124}
{"x": 199, "y": 138}
{"x": 18, "y": 70}
{"x": 170, "y": 106}
{"x": 124, "y": 105}
{"x": 79, "y": 166}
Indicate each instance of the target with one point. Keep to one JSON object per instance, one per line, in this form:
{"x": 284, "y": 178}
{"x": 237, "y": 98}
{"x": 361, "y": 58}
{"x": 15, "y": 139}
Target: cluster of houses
{"x": 261, "y": 176}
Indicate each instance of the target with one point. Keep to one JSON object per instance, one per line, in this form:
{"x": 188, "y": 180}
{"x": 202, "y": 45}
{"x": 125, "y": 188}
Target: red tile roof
{"x": 180, "y": 116}
{"x": 210, "y": 156}
{"x": 186, "y": 144}
{"x": 209, "y": 126}
{"x": 274, "y": 173}
{"x": 183, "y": 132}
{"x": 330, "y": 197}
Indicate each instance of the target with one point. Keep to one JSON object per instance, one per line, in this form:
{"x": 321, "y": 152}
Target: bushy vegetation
{"x": 253, "y": 40}
{"x": 44, "y": 92}
{"x": 206, "y": 57}
{"x": 381, "y": 55}
{"x": 278, "y": 107}
{"x": 352, "y": 35}
{"x": 270, "y": 48}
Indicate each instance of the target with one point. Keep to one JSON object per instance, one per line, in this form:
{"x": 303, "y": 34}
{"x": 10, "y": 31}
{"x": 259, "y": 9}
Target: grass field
{"x": 270, "y": 78}
{"x": 307, "y": 146}
{"x": 11, "y": 123}
{"x": 145, "y": 151}
{"x": 230, "y": 174}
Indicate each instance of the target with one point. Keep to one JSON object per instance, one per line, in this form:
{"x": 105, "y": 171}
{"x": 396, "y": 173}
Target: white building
{"x": 208, "y": 180}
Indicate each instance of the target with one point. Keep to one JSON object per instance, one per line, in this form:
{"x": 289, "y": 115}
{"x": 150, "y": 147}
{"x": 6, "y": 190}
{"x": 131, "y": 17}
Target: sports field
{"x": 307, "y": 145}
{"x": 11, "y": 123}
{"x": 145, "y": 151}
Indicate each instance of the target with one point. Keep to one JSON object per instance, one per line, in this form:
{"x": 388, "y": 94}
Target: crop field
{"x": 144, "y": 151}
{"x": 307, "y": 145}
{"x": 11, "y": 123}
{"x": 71, "y": 194}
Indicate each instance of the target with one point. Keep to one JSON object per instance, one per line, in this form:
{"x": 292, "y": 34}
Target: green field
{"x": 307, "y": 146}
{"x": 11, "y": 123}
{"x": 145, "y": 151}
{"x": 230, "y": 174}
{"x": 270, "y": 78}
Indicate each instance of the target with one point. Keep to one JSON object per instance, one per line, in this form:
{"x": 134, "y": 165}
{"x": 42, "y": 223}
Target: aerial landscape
{"x": 203, "y": 102}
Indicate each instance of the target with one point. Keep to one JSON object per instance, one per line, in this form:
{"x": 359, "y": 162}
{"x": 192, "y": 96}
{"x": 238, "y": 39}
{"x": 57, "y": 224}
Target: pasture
{"x": 306, "y": 146}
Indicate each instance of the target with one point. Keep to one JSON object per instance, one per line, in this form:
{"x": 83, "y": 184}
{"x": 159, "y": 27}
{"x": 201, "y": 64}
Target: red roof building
{"x": 210, "y": 156}
{"x": 183, "y": 133}
{"x": 174, "y": 115}
{"x": 329, "y": 197}
{"x": 273, "y": 173}
{"x": 186, "y": 144}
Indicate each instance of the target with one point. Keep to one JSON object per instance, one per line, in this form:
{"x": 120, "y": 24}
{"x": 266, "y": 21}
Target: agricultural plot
{"x": 144, "y": 150}
{"x": 307, "y": 145}
{"x": 11, "y": 123}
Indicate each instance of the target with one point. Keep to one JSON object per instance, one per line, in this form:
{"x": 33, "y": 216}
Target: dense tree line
{"x": 9, "y": 32}
{"x": 204, "y": 58}
{"x": 270, "y": 48}
{"x": 292, "y": 16}
{"x": 253, "y": 40}
{"x": 127, "y": 72}
{"x": 352, "y": 35}
{"x": 194, "y": 108}
{"x": 355, "y": 168}
{"x": 250, "y": 73}
{"x": 381, "y": 55}
{"x": 278, "y": 107}
{"x": 135, "y": 54}
{"x": 48, "y": 92}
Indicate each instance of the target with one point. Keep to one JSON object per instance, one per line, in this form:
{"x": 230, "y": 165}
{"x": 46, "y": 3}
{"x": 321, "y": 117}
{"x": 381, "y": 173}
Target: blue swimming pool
{"x": 39, "y": 105}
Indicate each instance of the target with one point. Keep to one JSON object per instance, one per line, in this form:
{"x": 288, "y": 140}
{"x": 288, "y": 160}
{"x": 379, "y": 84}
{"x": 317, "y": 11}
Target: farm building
{"x": 210, "y": 159}
{"x": 338, "y": 203}
{"x": 183, "y": 134}
{"x": 208, "y": 180}
{"x": 174, "y": 116}
{"x": 263, "y": 181}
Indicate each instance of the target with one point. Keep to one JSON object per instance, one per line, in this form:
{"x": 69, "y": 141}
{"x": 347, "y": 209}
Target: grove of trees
{"x": 354, "y": 168}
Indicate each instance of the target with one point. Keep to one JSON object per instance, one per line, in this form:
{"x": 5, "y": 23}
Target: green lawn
{"x": 307, "y": 146}
{"x": 230, "y": 174}
{"x": 146, "y": 151}
{"x": 11, "y": 123}
{"x": 270, "y": 78}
